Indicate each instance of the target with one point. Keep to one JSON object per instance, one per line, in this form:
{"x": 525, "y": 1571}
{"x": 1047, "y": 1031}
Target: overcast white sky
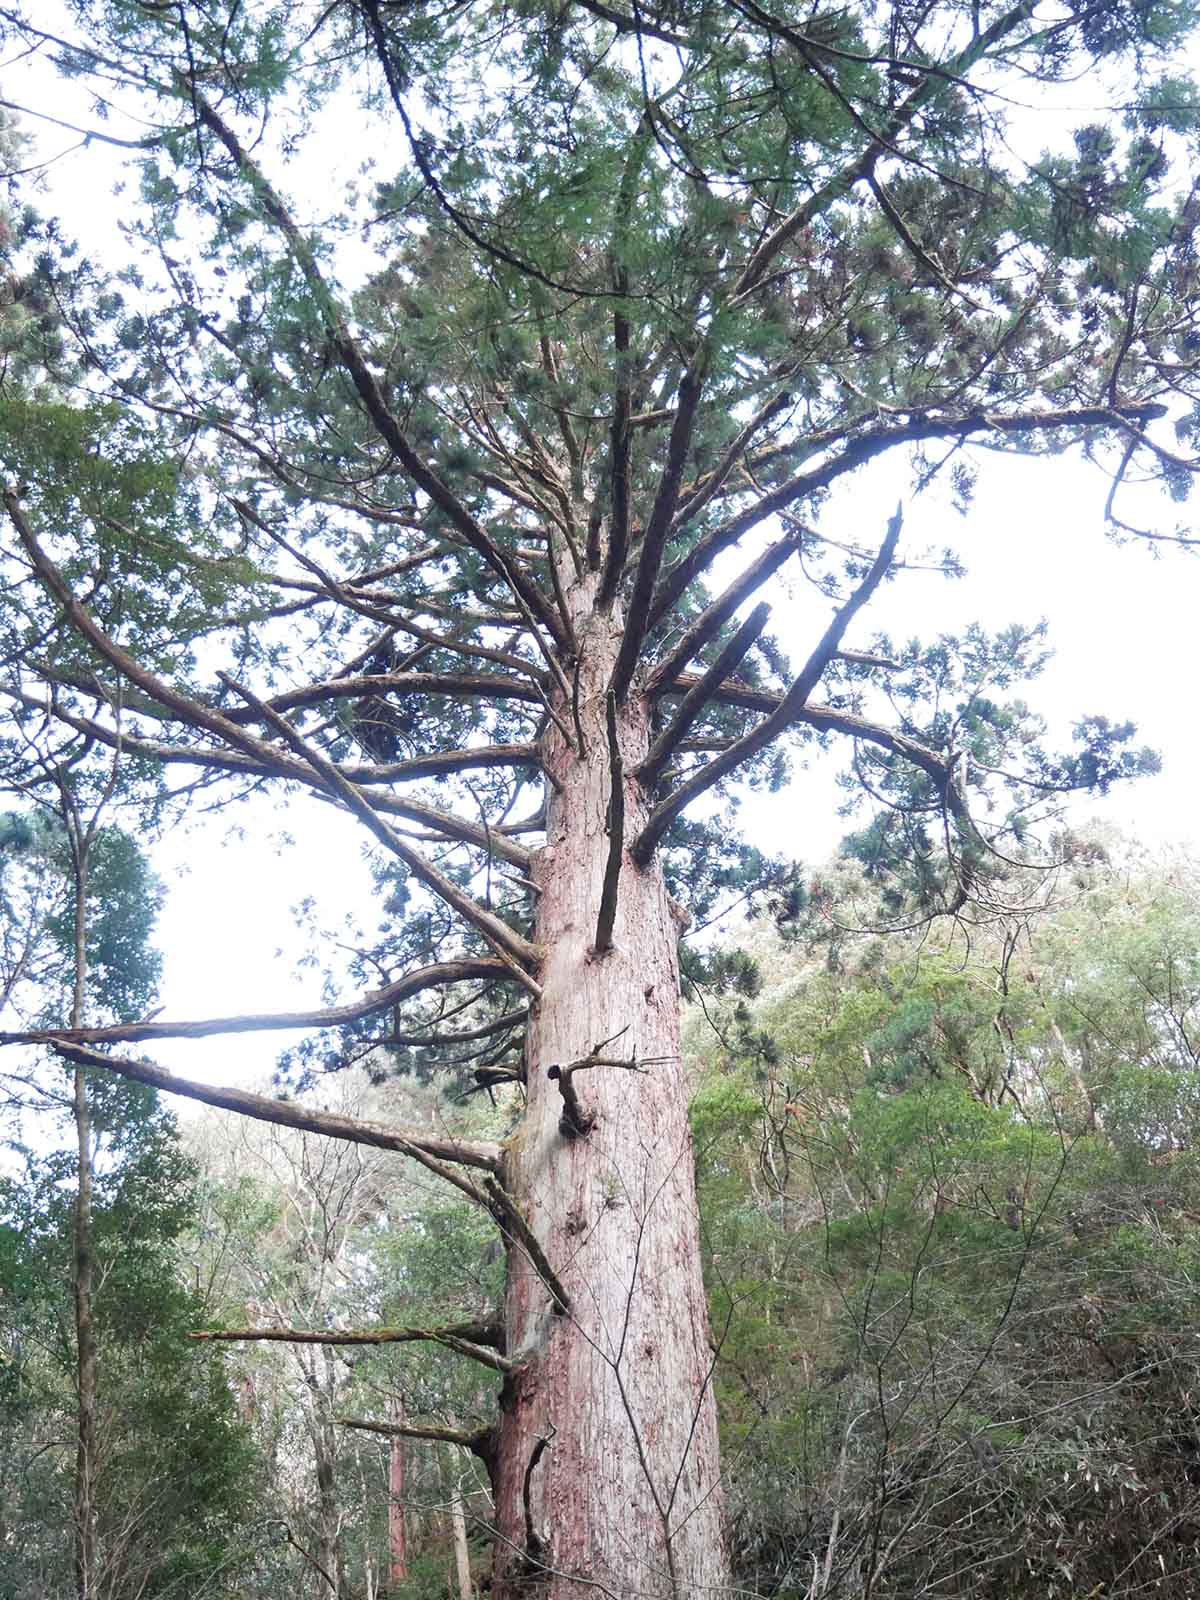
{"x": 1122, "y": 625}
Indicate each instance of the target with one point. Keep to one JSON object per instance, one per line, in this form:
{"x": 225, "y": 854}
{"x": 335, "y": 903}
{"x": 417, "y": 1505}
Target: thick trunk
{"x": 606, "y": 1468}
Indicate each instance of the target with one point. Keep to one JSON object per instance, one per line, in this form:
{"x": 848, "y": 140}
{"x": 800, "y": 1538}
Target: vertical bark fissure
{"x": 627, "y": 1500}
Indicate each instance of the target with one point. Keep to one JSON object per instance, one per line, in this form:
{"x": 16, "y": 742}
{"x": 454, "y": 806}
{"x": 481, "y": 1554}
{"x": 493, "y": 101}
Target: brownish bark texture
{"x": 606, "y": 1470}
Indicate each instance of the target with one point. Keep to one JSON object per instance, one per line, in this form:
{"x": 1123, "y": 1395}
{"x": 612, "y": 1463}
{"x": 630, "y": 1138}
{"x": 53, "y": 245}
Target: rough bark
{"x": 606, "y": 1471}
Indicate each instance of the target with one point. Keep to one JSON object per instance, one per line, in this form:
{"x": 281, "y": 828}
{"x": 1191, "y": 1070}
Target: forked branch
{"x": 777, "y": 720}
{"x": 699, "y": 696}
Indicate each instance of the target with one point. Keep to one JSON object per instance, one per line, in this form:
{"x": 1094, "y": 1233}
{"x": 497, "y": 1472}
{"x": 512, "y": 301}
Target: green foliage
{"x": 37, "y": 903}
{"x": 176, "y": 1466}
{"x": 950, "y": 1228}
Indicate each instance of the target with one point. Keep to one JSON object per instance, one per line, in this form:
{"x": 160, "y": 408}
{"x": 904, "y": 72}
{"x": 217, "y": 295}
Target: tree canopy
{"x": 448, "y": 491}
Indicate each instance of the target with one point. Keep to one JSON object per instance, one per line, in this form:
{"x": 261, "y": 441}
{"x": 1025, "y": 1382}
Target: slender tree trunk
{"x": 397, "y": 1538}
{"x": 607, "y": 1467}
{"x": 83, "y": 1276}
{"x": 329, "y": 1518}
{"x": 462, "y": 1555}
{"x": 86, "y": 1361}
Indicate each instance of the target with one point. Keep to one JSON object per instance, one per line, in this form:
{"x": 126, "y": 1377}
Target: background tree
{"x": 92, "y": 1309}
{"x": 352, "y": 1247}
{"x": 646, "y": 284}
{"x": 951, "y": 1246}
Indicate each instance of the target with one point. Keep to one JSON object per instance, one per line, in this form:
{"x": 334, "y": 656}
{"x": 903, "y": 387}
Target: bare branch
{"x": 513, "y": 1225}
{"x": 784, "y": 713}
{"x": 462, "y": 1340}
{"x": 391, "y": 994}
{"x": 714, "y": 616}
{"x": 618, "y": 449}
{"x": 479, "y": 1444}
{"x": 430, "y": 1152}
{"x": 700, "y": 694}
{"x": 654, "y": 540}
{"x": 508, "y": 944}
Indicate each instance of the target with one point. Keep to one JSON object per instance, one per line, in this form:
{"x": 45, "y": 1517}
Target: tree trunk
{"x": 85, "y": 1355}
{"x": 83, "y": 1267}
{"x": 397, "y": 1540}
{"x": 462, "y": 1555}
{"x": 607, "y": 1468}
{"x": 325, "y": 1441}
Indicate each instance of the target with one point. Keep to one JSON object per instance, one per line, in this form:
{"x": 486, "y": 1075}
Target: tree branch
{"x": 864, "y": 164}
{"x": 488, "y": 685}
{"x": 513, "y": 1225}
{"x": 713, "y": 617}
{"x": 784, "y": 713}
{"x": 618, "y": 520}
{"x": 864, "y": 447}
{"x": 444, "y": 822}
{"x": 346, "y": 348}
{"x": 485, "y": 1333}
{"x": 699, "y": 695}
{"x": 691, "y": 505}
{"x": 478, "y": 1341}
{"x": 188, "y": 710}
{"x": 479, "y": 1443}
{"x": 431, "y": 1153}
{"x": 827, "y": 719}
{"x": 509, "y": 945}
{"x": 654, "y": 540}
